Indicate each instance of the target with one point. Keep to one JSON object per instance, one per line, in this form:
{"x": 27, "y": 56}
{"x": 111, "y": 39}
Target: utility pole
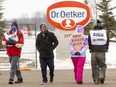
{"x": 36, "y": 63}
{"x": 96, "y": 8}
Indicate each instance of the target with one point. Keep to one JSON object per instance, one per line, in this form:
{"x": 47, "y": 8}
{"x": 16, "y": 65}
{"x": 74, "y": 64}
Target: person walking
{"x": 46, "y": 42}
{"x": 78, "y": 46}
{"x": 13, "y": 40}
{"x": 98, "y": 40}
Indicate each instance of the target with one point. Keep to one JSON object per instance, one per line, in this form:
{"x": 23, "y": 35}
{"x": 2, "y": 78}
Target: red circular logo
{"x": 66, "y": 15}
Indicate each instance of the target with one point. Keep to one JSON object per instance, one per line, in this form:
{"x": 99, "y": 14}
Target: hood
{"x": 44, "y": 26}
{"x": 14, "y": 24}
{"x": 79, "y": 29}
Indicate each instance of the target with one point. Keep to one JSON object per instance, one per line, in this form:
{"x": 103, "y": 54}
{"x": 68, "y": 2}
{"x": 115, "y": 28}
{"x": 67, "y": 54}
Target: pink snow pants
{"x": 78, "y": 68}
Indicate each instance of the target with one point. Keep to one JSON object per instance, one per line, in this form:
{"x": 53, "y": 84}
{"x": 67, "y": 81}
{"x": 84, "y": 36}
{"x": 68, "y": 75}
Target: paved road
{"x": 63, "y": 78}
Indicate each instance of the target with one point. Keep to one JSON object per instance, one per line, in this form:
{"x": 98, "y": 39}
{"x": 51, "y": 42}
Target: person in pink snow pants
{"x": 78, "y": 58}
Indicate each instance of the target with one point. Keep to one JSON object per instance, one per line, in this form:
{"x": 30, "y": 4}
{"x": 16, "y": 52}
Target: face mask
{"x": 14, "y": 29}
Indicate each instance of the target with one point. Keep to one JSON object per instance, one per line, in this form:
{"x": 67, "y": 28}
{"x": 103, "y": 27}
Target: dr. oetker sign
{"x": 66, "y": 15}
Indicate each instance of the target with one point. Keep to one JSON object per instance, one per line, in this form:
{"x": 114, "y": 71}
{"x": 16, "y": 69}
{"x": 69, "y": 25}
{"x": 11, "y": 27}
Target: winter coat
{"x": 98, "y": 40}
{"x": 45, "y": 44}
{"x": 83, "y": 49}
{"x": 13, "y": 50}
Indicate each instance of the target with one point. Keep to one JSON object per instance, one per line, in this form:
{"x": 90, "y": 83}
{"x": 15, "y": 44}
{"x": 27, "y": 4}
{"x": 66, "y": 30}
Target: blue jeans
{"x": 44, "y": 62}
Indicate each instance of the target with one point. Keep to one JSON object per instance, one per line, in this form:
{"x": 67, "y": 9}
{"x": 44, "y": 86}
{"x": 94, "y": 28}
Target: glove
{"x": 77, "y": 53}
{"x": 10, "y": 42}
{"x": 107, "y": 48}
{"x": 19, "y": 45}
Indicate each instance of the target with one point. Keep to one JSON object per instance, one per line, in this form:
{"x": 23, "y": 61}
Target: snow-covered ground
{"x": 110, "y": 59}
{"x": 28, "y": 57}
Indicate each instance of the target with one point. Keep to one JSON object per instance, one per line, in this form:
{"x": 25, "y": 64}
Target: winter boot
{"x": 10, "y": 81}
{"x": 51, "y": 79}
{"x": 20, "y": 80}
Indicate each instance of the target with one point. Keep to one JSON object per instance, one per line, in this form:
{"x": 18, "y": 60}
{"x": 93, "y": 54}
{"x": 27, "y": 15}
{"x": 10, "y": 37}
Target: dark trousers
{"x": 44, "y": 62}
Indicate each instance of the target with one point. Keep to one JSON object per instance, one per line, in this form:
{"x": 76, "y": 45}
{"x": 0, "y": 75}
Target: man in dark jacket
{"x": 46, "y": 42}
{"x": 98, "y": 40}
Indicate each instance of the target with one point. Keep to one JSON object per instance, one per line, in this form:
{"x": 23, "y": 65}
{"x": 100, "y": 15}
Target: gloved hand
{"x": 77, "y": 53}
{"x": 10, "y": 42}
{"x": 107, "y": 49}
{"x": 19, "y": 45}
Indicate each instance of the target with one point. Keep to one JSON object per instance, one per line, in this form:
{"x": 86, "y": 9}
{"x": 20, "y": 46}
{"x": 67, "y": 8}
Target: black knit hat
{"x": 98, "y": 22}
{"x": 98, "y": 25}
{"x": 15, "y": 24}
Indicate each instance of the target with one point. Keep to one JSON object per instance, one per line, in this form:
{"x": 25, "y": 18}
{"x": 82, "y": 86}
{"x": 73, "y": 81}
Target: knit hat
{"x": 15, "y": 24}
{"x": 98, "y": 22}
{"x": 98, "y": 26}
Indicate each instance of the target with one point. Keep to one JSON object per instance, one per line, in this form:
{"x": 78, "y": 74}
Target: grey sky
{"x": 17, "y": 8}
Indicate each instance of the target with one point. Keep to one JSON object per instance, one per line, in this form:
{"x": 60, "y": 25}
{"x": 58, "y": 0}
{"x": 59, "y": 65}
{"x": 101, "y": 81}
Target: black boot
{"x": 20, "y": 80}
{"x": 79, "y": 82}
{"x": 10, "y": 81}
{"x": 102, "y": 81}
{"x": 51, "y": 79}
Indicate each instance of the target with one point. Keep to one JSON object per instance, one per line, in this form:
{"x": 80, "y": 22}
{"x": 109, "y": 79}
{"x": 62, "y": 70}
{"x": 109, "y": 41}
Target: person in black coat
{"x": 98, "y": 40}
{"x": 46, "y": 42}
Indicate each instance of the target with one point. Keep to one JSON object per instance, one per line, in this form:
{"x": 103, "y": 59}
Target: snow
{"x": 28, "y": 57}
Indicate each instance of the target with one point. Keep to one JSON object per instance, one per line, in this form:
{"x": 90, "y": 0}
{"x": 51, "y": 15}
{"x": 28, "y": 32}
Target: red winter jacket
{"x": 13, "y": 50}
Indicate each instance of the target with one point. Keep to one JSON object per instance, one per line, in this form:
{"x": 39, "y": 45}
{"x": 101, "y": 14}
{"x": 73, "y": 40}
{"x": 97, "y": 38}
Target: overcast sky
{"x": 17, "y": 8}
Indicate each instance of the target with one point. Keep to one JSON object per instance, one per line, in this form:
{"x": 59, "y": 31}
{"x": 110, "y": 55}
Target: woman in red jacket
{"x": 13, "y": 40}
